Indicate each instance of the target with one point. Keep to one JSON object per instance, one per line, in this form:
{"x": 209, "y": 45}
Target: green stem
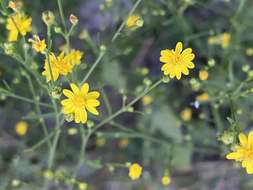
{"x": 38, "y": 110}
{"x": 59, "y": 2}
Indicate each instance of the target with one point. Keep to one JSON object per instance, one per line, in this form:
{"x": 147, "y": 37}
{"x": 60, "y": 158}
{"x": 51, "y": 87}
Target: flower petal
{"x": 74, "y": 88}
{"x": 92, "y": 110}
{"x": 85, "y": 88}
{"x": 68, "y": 93}
{"x": 243, "y": 139}
{"x": 93, "y": 95}
{"x": 179, "y": 47}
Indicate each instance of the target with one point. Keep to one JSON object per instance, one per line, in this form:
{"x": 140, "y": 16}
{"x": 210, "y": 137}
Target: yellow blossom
{"x": 74, "y": 57}
{"x": 177, "y": 61}
{"x": 203, "y": 75}
{"x": 146, "y": 100}
{"x": 59, "y": 66}
{"x": 72, "y": 131}
{"x": 21, "y": 128}
{"x": 38, "y": 44}
{"x": 100, "y": 142}
{"x": 134, "y": 21}
{"x": 225, "y": 40}
{"x": 166, "y": 180}
{"x": 79, "y": 101}
{"x": 123, "y": 143}
{"x": 135, "y": 171}
{"x": 186, "y": 114}
{"x": 203, "y": 97}
{"x": 221, "y": 39}
{"x": 18, "y": 23}
{"x": 249, "y": 51}
{"x": 82, "y": 186}
{"x": 244, "y": 152}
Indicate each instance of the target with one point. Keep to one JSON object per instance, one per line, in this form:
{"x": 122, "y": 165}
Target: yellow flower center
{"x": 79, "y": 101}
{"x": 177, "y": 59}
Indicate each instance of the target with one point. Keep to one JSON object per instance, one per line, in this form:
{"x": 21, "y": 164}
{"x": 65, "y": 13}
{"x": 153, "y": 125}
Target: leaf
{"x": 166, "y": 122}
{"x": 181, "y": 156}
{"x": 112, "y": 75}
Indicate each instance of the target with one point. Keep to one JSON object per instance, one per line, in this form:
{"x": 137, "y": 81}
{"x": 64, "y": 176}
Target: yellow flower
{"x": 166, "y": 180}
{"x": 244, "y": 152}
{"x": 100, "y": 142}
{"x": 203, "y": 97}
{"x": 123, "y": 143}
{"x": 203, "y": 75}
{"x": 82, "y": 186}
{"x": 249, "y": 51}
{"x": 79, "y": 101}
{"x": 18, "y": 23}
{"x": 134, "y": 21}
{"x": 135, "y": 171}
{"x": 177, "y": 61}
{"x": 38, "y": 44}
{"x": 21, "y": 128}
{"x": 146, "y": 100}
{"x": 72, "y": 131}
{"x": 225, "y": 39}
{"x": 186, "y": 114}
{"x": 221, "y": 39}
{"x": 59, "y": 66}
{"x": 74, "y": 57}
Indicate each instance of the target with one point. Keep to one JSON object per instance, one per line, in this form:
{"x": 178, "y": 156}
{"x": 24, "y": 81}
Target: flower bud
{"x": 73, "y": 19}
{"x": 48, "y": 18}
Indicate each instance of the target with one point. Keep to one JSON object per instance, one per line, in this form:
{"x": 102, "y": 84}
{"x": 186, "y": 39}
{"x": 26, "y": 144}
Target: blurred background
{"x": 181, "y": 128}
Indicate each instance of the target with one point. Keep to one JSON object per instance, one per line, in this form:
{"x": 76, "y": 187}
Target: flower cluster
{"x": 61, "y": 64}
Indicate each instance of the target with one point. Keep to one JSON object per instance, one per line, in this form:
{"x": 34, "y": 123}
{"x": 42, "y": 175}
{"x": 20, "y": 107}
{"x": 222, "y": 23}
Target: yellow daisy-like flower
{"x": 74, "y": 57}
{"x": 177, "y": 61}
{"x": 225, "y": 39}
{"x": 244, "y": 152}
{"x": 134, "y": 21}
{"x": 79, "y": 101}
{"x": 21, "y": 128}
{"x": 203, "y": 97}
{"x": 166, "y": 180}
{"x": 38, "y": 44}
{"x": 186, "y": 114}
{"x": 146, "y": 100}
{"x": 18, "y": 23}
{"x": 59, "y": 66}
{"x": 135, "y": 171}
{"x": 203, "y": 75}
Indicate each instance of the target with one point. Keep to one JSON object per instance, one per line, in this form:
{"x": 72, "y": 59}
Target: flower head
{"x": 166, "y": 180}
{"x": 203, "y": 75}
{"x": 146, "y": 100}
{"x": 244, "y": 152}
{"x": 18, "y": 23}
{"x": 177, "y": 61}
{"x": 135, "y": 171}
{"x": 79, "y": 101}
{"x": 203, "y": 97}
{"x": 74, "y": 57}
{"x": 21, "y": 128}
{"x": 134, "y": 21}
{"x": 186, "y": 114}
{"x": 59, "y": 66}
{"x": 38, "y": 44}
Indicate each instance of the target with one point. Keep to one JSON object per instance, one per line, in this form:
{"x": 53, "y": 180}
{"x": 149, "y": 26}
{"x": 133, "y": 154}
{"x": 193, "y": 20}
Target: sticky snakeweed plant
{"x": 69, "y": 81}
{"x": 60, "y": 70}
